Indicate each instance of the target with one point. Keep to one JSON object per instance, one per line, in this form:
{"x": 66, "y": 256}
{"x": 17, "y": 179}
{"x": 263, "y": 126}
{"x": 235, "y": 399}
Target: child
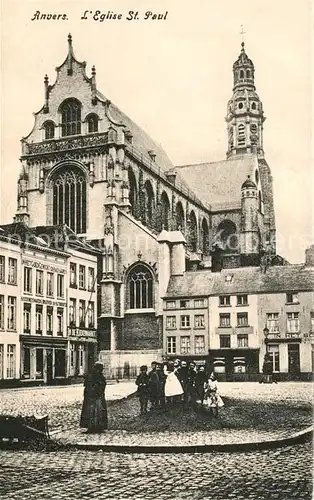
{"x": 142, "y": 383}
{"x": 212, "y": 398}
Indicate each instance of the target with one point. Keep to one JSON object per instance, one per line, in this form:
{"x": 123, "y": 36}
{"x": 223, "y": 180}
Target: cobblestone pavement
{"x": 63, "y": 404}
{"x": 282, "y": 474}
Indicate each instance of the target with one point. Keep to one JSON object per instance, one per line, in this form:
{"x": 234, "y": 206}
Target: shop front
{"x": 82, "y": 351}
{"x": 43, "y": 360}
{"x": 235, "y": 364}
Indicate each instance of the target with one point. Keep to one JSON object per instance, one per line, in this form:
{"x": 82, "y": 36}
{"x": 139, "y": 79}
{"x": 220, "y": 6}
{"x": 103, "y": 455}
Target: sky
{"x": 173, "y": 77}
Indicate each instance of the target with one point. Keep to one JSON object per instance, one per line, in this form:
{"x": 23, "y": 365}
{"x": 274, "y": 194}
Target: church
{"x": 88, "y": 166}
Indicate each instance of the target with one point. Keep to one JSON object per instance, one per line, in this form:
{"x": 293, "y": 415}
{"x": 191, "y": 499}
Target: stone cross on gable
{"x": 242, "y": 33}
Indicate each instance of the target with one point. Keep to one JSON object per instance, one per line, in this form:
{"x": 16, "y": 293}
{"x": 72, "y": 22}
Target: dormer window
{"x": 49, "y": 130}
{"x": 92, "y": 123}
{"x": 71, "y": 117}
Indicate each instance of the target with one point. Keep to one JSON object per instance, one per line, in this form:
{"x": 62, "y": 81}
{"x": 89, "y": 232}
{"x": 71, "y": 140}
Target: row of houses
{"x": 48, "y": 305}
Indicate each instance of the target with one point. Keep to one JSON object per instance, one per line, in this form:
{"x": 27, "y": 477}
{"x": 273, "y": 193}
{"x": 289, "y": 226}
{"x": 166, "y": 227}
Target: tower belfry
{"x": 245, "y": 115}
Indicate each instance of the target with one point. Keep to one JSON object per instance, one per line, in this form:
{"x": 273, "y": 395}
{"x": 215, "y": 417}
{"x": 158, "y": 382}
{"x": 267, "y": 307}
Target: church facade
{"x": 88, "y": 166}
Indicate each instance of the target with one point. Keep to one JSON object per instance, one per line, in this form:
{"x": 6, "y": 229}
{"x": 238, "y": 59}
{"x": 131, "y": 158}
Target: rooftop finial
{"x": 242, "y": 33}
{"x": 46, "y": 81}
{"x": 70, "y": 39}
{"x": 93, "y": 71}
{"x": 70, "y": 55}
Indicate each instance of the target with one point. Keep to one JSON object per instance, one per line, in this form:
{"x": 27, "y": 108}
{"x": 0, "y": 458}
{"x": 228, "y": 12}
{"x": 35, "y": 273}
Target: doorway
{"x": 294, "y": 358}
{"x": 49, "y": 366}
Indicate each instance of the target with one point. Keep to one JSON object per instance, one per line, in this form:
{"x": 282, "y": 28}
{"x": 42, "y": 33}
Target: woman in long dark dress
{"x": 94, "y": 411}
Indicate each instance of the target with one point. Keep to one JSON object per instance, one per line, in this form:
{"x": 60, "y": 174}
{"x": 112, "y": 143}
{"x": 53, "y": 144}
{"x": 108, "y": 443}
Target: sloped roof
{"x": 219, "y": 183}
{"x": 246, "y": 280}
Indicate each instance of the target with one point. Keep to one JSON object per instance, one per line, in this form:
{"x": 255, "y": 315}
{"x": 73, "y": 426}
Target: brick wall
{"x": 140, "y": 331}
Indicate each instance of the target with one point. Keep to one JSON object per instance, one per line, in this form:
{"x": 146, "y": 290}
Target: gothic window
{"x": 241, "y": 134}
{"x": 69, "y": 198}
{"x": 241, "y": 73}
{"x": 227, "y": 237}
{"x": 192, "y": 232}
{"x": 149, "y": 203}
{"x": 180, "y": 225}
{"x": 165, "y": 211}
{"x": 205, "y": 237}
{"x": 140, "y": 287}
{"x": 92, "y": 122}
{"x": 49, "y": 130}
{"x": 71, "y": 117}
{"x": 132, "y": 191}
{"x": 259, "y": 201}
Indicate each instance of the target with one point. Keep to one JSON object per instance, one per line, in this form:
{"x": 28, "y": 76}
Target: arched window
{"x": 92, "y": 122}
{"x": 140, "y": 287}
{"x": 260, "y": 205}
{"x": 192, "y": 232}
{"x": 149, "y": 203}
{"x": 180, "y": 223}
{"x": 256, "y": 176}
{"x": 165, "y": 211}
{"x": 227, "y": 237}
{"x": 241, "y": 134}
{"x": 69, "y": 198}
{"x": 248, "y": 73}
{"x": 241, "y": 73}
{"x": 132, "y": 191}
{"x": 240, "y": 105}
{"x": 253, "y": 105}
{"x": 49, "y": 130}
{"x": 71, "y": 117}
{"x": 205, "y": 237}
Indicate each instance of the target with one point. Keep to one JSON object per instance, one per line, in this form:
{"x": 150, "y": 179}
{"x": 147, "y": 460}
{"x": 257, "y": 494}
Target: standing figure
{"x": 162, "y": 381}
{"x": 200, "y": 379}
{"x": 142, "y": 382}
{"x": 154, "y": 385}
{"x": 191, "y": 385}
{"x": 212, "y": 399}
{"x": 173, "y": 387}
{"x": 182, "y": 375}
{"x": 94, "y": 411}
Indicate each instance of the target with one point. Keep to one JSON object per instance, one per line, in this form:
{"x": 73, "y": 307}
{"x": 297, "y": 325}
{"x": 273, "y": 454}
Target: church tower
{"x": 245, "y": 116}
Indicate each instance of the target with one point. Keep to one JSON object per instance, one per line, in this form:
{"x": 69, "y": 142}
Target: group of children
{"x": 177, "y": 382}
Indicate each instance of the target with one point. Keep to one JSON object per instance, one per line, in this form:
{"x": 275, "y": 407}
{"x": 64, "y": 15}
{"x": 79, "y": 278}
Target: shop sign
{"x": 40, "y": 265}
{"x": 43, "y": 301}
{"x": 82, "y": 333}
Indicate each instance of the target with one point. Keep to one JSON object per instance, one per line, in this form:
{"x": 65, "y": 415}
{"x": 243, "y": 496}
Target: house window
{"x": 39, "y": 282}
{"x": 91, "y": 279}
{"x": 292, "y": 298}
{"x": 242, "y": 319}
{"x": 273, "y": 322}
{"x": 72, "y": 312}
{"x": 49, "y": 130}
{"x": 171, "y": 345}
{"x": 242, "y": 300}
{"x": 243, "y": 341}
{"x": 170, "y": 304}
{"x": 91, "y": 315}
{"x": 82, "y": 277}
{"x": 199, "y": 303}
{"x": 12, "y": 276}
{"x": 185, "y": 321}
{"x": 49, "y": 284}
{"x": 10, "y": 361}
{"x": 72, "y": 356}
{"x": 239, "y": 365}
{"x": 49, "y": 320}
{"x": 184, "y": 304}
{"x": 82, "y": 313}
{"x": 224, "y": 300}
{"x": 60, "y": 323}
{"x": 140, "y": 288}
{"x": 11, "y": 313}
{"x": 293, "y": 322}
{"x": 71, "y": 117}
{"x": 170, "y": 322}
{"x": 224, "y": 341}
{"x": 73, "y": 282}
{"x": 2, "y": 269}
{"x": 39, "y": 319}
{"x": 312, "y": 321}
{"x": 1, "y": 312}
{"x": 28, "y": 279}
{"x": 199, "y": 321}
{"x": 273, "y": 351}
{"x": 27, "y": 317}
{"x": 26, "y": 363}
{"x": 185, "y": 345}
{"x": 224, "y": 320}
{"x": 60, "y": 286}
{"x": 92, "y": 122}
{"x": 199, "y": 344}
